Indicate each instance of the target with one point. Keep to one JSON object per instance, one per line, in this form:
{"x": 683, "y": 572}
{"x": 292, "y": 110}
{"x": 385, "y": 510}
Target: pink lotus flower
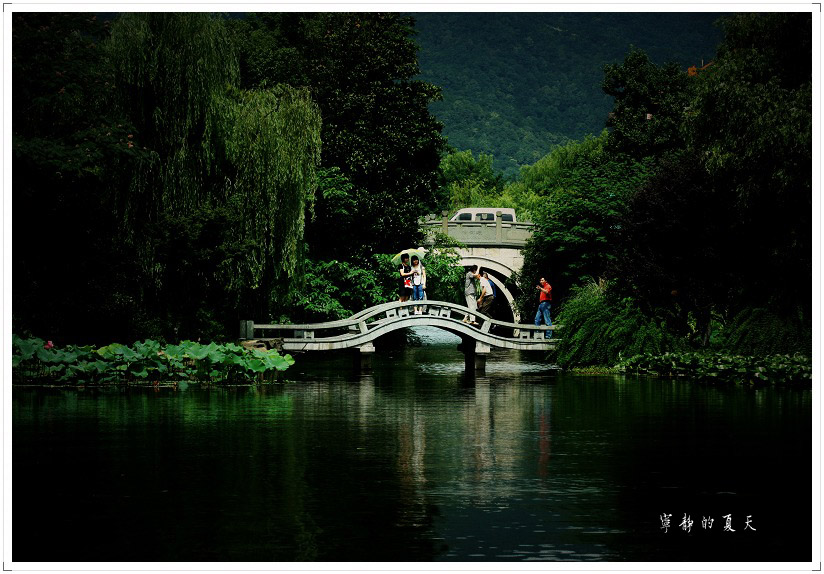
{"x": 48, "y": 345}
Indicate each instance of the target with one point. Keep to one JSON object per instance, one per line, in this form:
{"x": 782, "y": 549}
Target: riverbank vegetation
{"x": 723, "y": 369}
{"x": 144, "y": 362}
{"x": 177, "y": 173}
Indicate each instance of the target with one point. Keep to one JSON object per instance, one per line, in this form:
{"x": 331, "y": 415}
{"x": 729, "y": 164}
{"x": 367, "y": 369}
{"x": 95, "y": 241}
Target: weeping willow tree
{"x": 209, "y": 147}
{"x": 272, "y": 141}
{"x": 171, "y": 72}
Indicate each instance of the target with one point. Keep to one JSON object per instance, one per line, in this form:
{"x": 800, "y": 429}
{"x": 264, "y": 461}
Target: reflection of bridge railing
{"x": 478, "y": 233}
{"x": 360, "y": 330}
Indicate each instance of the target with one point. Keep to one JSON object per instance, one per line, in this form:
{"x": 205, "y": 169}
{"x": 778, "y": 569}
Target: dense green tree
{"x": 171, "y": 71}
{"x": 751, "y": 124}
{"x": 582, "y": 192}
{"x": 649, "y": 104}
{"x": 377, "y": 129}
{"x": 727, "y": 226}
{"x": 724, "y": 226}
{"x": 468, "y": 181}
{"x": 333, "y": 216}
{"x": 214, "y": 145}
{"x": 674, "y": 257}
{"x": 70, "y": 146}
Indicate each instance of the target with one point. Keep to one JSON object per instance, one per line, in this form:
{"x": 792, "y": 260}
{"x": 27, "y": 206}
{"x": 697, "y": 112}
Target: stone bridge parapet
{"x": 362, "y": 329}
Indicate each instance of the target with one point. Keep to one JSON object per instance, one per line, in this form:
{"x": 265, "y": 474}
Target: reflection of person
{"x": 405, "y": 271}
{"x": 469, "y": 291}
{"x": 487, "y": 296}
{"x": 544, "y": 305}
{"x": 418, "y": 281}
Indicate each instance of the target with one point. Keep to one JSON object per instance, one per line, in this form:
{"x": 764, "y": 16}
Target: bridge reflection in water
{"x": 362, "y": 329}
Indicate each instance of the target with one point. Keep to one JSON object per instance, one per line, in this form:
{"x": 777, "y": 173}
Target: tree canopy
{"x": 201, "y": 185}
{"x": 377, "y": 129}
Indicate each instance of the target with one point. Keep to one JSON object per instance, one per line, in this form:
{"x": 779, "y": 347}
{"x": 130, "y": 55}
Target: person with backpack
{"x": 487, "y": 296}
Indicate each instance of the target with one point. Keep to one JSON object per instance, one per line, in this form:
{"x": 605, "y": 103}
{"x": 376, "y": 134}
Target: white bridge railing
{"x": 479, "y": 233}
{"x": 364, "y": 327}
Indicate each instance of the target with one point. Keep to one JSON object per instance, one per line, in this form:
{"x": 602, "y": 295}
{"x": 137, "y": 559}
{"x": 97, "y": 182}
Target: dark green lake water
{"x": 413, "y": 462}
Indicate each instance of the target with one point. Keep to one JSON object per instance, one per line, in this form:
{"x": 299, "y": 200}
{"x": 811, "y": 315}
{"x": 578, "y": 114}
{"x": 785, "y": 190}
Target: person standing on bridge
{"x": 469, "y": 292}
{"x": 544, "y": 305}
{"x": 487, "y": 296}
{"x": 418, "y": 281}
{"x": 405, "y": 271}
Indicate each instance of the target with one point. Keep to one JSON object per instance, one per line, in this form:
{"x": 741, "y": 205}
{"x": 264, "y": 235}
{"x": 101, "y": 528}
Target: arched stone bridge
{"x": 361, "y": 330}
{"x": 495, "y": 246}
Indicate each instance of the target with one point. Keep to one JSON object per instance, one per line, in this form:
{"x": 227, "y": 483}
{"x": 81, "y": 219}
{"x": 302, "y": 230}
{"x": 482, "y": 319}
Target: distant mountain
{"x": 517, "y": 84}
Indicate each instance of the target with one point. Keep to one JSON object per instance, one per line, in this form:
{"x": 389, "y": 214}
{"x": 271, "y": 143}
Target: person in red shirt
{"x": 544, "y": 305}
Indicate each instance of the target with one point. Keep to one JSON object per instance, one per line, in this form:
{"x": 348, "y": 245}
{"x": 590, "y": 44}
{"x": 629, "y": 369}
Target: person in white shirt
{"x": 470, "y": 293}
{"x": 418, "y": 281}
{"x": 487, "y": 296}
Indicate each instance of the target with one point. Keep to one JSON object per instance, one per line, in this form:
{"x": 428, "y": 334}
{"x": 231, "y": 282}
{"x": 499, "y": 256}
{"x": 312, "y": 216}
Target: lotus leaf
{"x": 256, "y": 365}
{"x": 216, "y": 356}
{"x": 27, "y": 347}
{"x": 140, "y": 372}
{"x": 184, "y": 361}
{"x": 47, "y": 355}
{"x": 100, "y": 366}
{"x": 147, "y": 348}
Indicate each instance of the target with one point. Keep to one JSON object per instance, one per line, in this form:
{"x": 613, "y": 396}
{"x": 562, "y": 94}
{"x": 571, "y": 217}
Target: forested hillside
{"x": 517, "y": 84}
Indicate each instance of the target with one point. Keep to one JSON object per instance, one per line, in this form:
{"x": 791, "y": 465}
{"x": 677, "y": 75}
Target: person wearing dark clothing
{"x": 405, "y": 272}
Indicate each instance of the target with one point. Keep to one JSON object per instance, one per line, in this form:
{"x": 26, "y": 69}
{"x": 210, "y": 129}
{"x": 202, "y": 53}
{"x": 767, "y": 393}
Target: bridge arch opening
{"x": 503, "y": 308}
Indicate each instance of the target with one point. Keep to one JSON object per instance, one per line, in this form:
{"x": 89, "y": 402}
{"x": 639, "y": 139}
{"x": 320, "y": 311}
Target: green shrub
{"x": 760, "y": 331}
{"x": 599, "y": 328}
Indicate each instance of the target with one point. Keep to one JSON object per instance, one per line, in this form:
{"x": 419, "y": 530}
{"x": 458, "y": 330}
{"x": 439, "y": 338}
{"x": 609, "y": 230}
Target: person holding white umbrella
{"x": 418, "y": 282}
{"x": 401, "y": 262}
{"x": 405, "y": 271}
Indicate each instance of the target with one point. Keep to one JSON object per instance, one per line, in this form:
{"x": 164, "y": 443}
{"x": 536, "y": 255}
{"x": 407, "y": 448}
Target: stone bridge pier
{"x": 475, "y": 354}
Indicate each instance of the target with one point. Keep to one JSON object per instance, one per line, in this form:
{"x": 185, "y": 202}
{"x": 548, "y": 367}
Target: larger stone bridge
{"x": 494, "y": 246}
{"x": 362, "y": 329}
